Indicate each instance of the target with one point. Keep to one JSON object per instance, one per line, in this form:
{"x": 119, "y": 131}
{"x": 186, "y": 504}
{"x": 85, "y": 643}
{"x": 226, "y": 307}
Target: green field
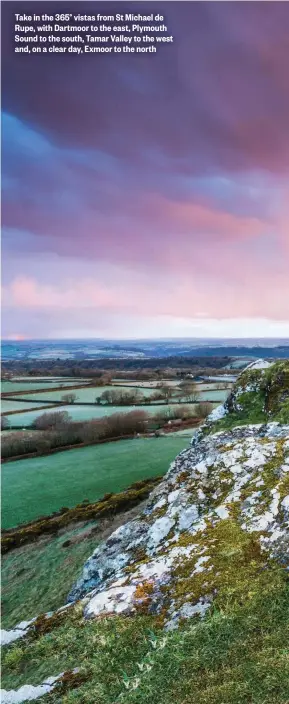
{"x": 82, "y": 413}
{"x": 38, "y": 486}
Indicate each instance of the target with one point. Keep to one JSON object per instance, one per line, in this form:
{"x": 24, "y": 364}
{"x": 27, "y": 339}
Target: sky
{"x": 148, "y": 195}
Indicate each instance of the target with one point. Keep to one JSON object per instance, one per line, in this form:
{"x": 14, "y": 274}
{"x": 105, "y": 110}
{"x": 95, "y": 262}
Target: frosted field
{"x": 89, "y": 395}
{"x": 79, "y": 413}
{"x": 11, "y": 405}
{"x": 143, "y": 384}
{"x": 12, "y": 386}
{"x": 152, "y": 385}
{"x": 82, "y": 395}
{"x": 48, "y": 378}
{"x": 213, "y": 395}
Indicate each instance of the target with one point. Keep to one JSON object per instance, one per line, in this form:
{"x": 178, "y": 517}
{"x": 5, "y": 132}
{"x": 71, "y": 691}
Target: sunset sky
{"x": 148, "y": 196}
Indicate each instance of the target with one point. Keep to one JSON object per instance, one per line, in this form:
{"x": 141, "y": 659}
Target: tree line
{"x": 56, "y": 429}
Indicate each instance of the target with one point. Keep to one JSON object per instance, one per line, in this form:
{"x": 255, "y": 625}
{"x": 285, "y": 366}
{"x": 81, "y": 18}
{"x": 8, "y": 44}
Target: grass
{"x": 43, "y": 574}
{"x": 236, "y": 655}
{"x": 38, "y": 486}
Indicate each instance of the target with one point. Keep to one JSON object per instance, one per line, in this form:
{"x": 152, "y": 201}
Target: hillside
{"x": 188, "y": 602}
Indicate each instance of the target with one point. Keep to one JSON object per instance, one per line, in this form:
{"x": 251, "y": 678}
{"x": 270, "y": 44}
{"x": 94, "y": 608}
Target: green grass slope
{"x": 38, "y": 486}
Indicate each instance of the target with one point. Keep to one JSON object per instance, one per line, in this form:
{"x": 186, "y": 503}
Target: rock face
{"x": 223, "y": 507}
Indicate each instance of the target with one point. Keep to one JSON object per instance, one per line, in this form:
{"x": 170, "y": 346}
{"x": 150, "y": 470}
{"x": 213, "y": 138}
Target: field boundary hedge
{"x": 62, "y": 448}
{"x": 21, "y": 410}
{"x": 60, "y": 404}
{"x": 6, "y": 394}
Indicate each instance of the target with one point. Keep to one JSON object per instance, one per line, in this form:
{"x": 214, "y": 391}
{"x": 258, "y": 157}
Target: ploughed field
{"x": 39, "y": 486}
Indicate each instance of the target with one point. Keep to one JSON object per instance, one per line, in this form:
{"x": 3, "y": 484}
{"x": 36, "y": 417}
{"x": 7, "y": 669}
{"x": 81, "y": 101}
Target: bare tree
{"x": 166, "y": 391}
{"x": 204, "y": 409}
{"x": 47, "y": 421}
{"x": 68, "y": 398}
{"x": 5, "y": 423}
{"x": 188, "y": 390}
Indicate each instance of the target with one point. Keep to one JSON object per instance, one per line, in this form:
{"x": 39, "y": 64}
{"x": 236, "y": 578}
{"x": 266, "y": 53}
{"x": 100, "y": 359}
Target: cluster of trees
{"x": 186, "y": 390}
{"x": 68, "y": 398}
{"x": 120, "y": 397}
{"x": 97, "y": 368}
{"x": 57, "y": 430}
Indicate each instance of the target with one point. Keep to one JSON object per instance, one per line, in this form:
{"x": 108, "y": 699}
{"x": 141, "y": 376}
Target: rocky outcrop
{"x": 222, "y": 507}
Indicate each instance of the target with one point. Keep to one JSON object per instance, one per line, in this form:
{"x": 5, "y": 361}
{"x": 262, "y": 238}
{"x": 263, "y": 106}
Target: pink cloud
{"x": 185, "y": 297}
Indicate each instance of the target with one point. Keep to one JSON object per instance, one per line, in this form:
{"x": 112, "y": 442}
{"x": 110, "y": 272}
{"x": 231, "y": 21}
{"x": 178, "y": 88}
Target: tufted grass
{"x": 38, "y": 577}
{"x": 237, "y": 655}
